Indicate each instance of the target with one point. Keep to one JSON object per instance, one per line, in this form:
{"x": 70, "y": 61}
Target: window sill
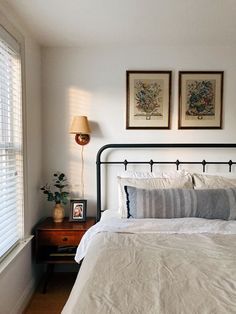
{"x": 14, "y": 253}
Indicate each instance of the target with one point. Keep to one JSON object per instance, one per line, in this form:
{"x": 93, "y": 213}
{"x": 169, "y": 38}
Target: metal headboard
{"x": 152, "y": 162}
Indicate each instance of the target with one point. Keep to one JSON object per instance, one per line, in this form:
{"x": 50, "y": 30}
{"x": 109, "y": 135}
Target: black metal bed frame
{"x": 151, "y": 162}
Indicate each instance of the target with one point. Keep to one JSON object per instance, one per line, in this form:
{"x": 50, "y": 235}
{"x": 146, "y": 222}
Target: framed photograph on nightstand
{"x": 78, "y": 210}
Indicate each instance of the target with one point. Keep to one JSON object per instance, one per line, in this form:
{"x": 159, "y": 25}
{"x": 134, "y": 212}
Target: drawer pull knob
{"x": 65, "y": 239}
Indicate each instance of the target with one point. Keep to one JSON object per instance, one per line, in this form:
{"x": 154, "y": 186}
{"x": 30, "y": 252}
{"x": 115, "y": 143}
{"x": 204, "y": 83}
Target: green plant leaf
{"x": 59, "y": 186}
{"x": 50, "y": 197}
{"x": 61, "y": 176}
{"x": 59, "y": 182}
{"x": 57, "y": 197}
{"x": 64, "y": 200}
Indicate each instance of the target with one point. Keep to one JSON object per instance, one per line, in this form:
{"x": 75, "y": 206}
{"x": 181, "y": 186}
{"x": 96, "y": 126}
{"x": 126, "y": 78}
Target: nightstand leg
{"x": 49, "y": 272}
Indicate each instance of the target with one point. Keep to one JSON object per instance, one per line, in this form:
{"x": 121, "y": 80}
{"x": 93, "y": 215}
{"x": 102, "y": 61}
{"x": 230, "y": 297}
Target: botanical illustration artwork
{"x": 148, "y": 96}
{"x": 200, "y": 99}
{"x": 148, "y": 99}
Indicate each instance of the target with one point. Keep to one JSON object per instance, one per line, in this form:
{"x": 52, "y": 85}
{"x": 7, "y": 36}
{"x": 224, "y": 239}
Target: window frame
{"x": 15, "y": 33}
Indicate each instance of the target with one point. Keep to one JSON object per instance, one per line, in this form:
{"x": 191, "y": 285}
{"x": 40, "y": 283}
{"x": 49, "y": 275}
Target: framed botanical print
{"x": 148, "y": 95}
{"x": 78, "y": 210}
{"x": 200, "y": 99}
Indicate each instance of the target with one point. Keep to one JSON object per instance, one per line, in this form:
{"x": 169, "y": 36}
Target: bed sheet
{"x": 156, "y": 266}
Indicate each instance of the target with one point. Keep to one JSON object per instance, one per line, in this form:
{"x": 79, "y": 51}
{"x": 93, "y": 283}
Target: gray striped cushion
{"x": 177, "y": 203}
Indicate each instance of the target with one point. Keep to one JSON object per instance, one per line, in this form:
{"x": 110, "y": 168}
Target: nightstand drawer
{"x": 59, "y": 238}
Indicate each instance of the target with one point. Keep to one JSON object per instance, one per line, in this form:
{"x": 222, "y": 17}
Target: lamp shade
{"x": 80, "y": 125}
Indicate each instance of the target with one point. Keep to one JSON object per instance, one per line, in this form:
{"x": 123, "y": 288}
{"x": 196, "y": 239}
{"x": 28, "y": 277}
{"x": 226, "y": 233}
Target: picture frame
{"x": 78, "y": 209}
{"x": 148, "y": 97}
{"x": 200, "y": 99}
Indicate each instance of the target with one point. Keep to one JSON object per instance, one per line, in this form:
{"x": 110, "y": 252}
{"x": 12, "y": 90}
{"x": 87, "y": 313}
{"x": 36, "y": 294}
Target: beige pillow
{"x": 183, "y": 182}
{"x": 207, "y": 181}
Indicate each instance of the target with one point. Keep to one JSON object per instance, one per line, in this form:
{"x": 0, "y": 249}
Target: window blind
{"x": 11, "y": 146}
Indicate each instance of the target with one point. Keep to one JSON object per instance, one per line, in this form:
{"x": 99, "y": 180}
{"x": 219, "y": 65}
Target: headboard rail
{"x": 177, "y": 163}
{"x": 151, "y": 162}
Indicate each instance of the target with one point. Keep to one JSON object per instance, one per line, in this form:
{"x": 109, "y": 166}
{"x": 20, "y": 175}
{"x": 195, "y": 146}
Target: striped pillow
{"x": 177, "y": 203}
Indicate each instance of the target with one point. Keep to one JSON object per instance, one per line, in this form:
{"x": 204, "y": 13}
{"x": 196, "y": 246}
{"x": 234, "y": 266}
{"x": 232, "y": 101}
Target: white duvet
{"x": 166, "y": 266}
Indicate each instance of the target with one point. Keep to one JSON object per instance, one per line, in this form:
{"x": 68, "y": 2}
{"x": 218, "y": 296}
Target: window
{"x": 11, "y": 144}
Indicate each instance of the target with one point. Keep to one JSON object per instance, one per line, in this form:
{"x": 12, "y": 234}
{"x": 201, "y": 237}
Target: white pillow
{"x": 179, "y": 181}
{"x": 110, "y": 213}
{"x": 145, "y": 174}
{"x": 209, "y": 181}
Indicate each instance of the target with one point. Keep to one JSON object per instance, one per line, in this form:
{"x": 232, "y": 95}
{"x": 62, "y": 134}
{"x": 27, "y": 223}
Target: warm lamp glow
{"x": 80, "y": 127}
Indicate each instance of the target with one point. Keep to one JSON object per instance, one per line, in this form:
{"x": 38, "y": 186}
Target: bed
{"x": 180, "y": 260}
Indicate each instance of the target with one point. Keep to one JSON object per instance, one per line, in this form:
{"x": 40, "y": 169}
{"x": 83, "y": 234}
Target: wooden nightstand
{"x": 56, "y": 243}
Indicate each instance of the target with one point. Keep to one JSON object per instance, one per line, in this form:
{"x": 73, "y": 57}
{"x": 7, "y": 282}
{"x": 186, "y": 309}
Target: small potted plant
{"x": 57, "y": 195}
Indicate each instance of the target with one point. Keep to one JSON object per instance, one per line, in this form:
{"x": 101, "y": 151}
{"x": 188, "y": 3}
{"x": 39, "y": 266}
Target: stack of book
{"x": 64, "y": 251}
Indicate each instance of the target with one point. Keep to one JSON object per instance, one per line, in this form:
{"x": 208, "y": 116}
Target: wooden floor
{"x": 53, "y": 300}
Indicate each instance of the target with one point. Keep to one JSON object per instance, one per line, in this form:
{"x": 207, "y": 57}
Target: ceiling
{"x": 120, "y": 22}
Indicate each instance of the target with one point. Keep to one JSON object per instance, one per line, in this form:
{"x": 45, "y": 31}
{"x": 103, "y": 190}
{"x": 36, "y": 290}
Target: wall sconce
{"x": 80, "y": 127}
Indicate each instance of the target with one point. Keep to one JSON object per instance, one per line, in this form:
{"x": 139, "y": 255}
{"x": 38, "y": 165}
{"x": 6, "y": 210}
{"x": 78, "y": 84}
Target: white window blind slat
{"x": 8, "y": 206}
{"x": 7, "y": 189}
{"x": 4, "y": 229}
{"x": 9, "y": 172}
{"x": 8, "y": 235}
{"x": 7, "y": 179}
{"x": 11, "y": 147}
{"x": 8, "y": 244}
{"x": 8, "y": 217}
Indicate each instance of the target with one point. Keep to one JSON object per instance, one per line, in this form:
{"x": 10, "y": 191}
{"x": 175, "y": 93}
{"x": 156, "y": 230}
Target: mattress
{"x": 185, "y": 265}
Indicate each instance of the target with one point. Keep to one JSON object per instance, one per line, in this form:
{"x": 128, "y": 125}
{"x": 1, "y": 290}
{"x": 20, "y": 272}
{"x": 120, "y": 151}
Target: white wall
{"x": 92, "y": 82}
{"x": 17, "y": 281}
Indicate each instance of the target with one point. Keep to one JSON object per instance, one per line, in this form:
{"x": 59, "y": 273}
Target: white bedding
{"x": 170, "y": 266}
{"x": 179, "y": 225}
